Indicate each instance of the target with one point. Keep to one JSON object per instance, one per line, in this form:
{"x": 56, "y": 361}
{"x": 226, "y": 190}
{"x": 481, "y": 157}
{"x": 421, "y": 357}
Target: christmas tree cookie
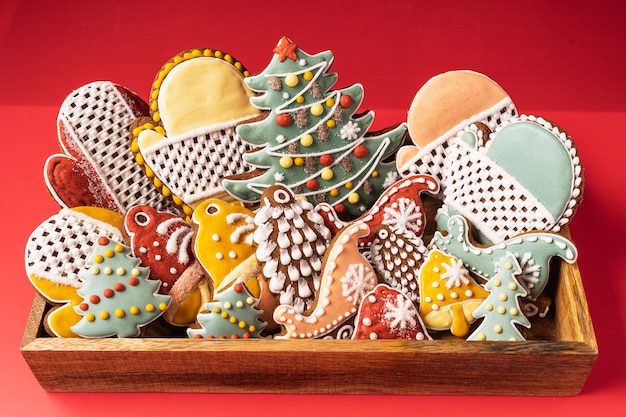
{"x": 501, "y": 310}
{"x": 118, "y": 297}
{"x": 233, "y": 315}
{"x": 311, "y": 141}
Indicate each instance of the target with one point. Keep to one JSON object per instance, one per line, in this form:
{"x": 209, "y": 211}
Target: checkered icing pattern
{"x": 100, "y": 119}
{"x": 492, "y": 200}
{"x": 58, "y": 249}
{"x": 431, "y": 158}
{"x": 193, "y": 166}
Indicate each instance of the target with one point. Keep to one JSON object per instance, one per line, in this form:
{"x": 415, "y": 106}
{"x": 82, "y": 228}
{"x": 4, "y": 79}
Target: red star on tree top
{"x": 286, "y": 49}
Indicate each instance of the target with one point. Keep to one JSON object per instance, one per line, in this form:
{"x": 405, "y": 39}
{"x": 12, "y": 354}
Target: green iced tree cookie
{"x": 312, "y": 142}
{"x": 501, "y": 309}
{"x": 233, "y": 315}
{"x": 118, "y": 297}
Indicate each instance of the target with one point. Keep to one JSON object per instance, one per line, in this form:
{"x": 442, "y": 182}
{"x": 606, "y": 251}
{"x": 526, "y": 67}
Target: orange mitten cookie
{"x": 97, "y": 167}
{"x": 57, "y": 250}
{"x": 189, "y": 143}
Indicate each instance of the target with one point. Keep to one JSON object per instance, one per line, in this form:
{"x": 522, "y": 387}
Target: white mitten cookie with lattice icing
{"x": 189, "y": 143}
{"x": 97, "y": 167}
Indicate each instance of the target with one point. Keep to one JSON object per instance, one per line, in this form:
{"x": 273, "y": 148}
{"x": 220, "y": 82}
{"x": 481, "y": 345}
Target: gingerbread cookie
{"x": 533, "y": 252}
{"x": 345, "y": 279}
{"x": 292, "y": 239}
{"x": 56, "y": 252}
{"x": 189, "y": 142}
{"x": 97, "y": 167}
{"x": 386, "y": 313}
{"x": 449, "y": 295}
{"x": 312, "y": 142}
{"x": 526, "y": 177}
{"x": 443, "y": 106}
{"x": 163, "y": 242}
{"x": 118, "y": 297}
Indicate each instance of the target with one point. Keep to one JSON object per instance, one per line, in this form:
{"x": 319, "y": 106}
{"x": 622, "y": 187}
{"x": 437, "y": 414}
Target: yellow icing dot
{"x": 162, "y": 307}
{"x": 330, "y": 102}
{"x": 497, "y": 328}
{"x": 228, "y": 305}
{"x": 308, "y": 76}
{"x": 160, "y": 130}
{"x": 134, "y": 310}
{"x": 178, "y": 59}
{"x": 109, "y": 253}
{"x": 513, "y": 311}
{"x": 177, "y": 200}
{"x": 251, "y": 328}
{"x": 154, "y": 105}
{"x": 246, "y": 73}
{"x": 187, "y": 210}
{"x": 291, "y": 80}
{"x": 508, "y": 265}
{"x": 233, "y": 320}
{"x": 348, "y": 184}
{"x": 481, "y": 336}
{"x": 104, "y": 315}
{"x": 503, "y": 297}
{"x": 135, "y": 272}
{"x": 299, "y": 99}
{"x": 156, "y": 117}
{"x": 187, "y": 55}
{"x": 306, "y": 140}
{"x": 108, "y": 270}
{"x": 154, "y": 94}
{"x": 353, "y": 198}
{"x": 229, "y": 58}
{"x": 217, "y": 310}
{"x": 139, "y": 159}
{"x": 331, "y": 123}
{"x": 375, "y": 174}
{"x": 238, "y": 66}
{"x": 497, "y": 282}
{"x": 150, "y": 308}
{"x": 489, "y": 307}
{"x": 501, "y": 310}
{"x": 242, "y": 324}
{"x": 208, "y": 52}
{"x": 298, "y": 161}
{"x": 239, "y": 304}
{"x": 512, "y": 286}
{"x": 165, "y": 191}
{"x": 224, "y": 315}
{"x": 95, "y": 270}
{"x": 334, "y": 192}
{"x": 157, "y": 182}
{"x": 120, "y": 271}
{"x": 249, "y": 300}
{"x": 327, "y": 174}
{"x": 90, "y": 317}
{"x": 219, "y": 54}
{"x": 119, "y": 313}
{"x": 317, "y": 109}
{"x": 149, "y": 172}
{"x": 286, "y": 161}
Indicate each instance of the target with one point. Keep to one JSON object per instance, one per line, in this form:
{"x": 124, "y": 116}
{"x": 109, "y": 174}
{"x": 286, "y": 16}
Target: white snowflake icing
{"x": 279, "y": 177}
{"x": 350, "y": 131}
{"x": 400, "y": 314}
{"x": 357, "y": 282}
{"x": 529, "y": 276}
{"x": 404, "y": 217}
{"x": 391, "y": 178}
{"x": 455, "y": 274}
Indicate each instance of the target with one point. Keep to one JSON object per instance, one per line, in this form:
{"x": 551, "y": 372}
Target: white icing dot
{"x": 219, "y": 255}
{"x": 285, "y": 95}
{"x": 419, "y": 336}
{"x": 232, "y": 254}
{"x": 435, "y": 284}
{"x": 436, "y": 270}
{"x": 216, "y": 237}
{"x": 155, "y": 244}
{"x": 367, "y": 321}
{"x": 373, "y": 336}
{"x": 454, "y": 295}
{"x": 173, "y": 271}
{"x": 143, "y": 249}
{"x": 280, "y": 138}
{"x": 469, "y": 293}
{"x": 157, "y": 257}
{"x": 371, "y": 298}
{"x": 165, "y": 284}
{"x": 435, "y": 307}
{"x": 440, "y": 297}
{"x": 428, "y": 300}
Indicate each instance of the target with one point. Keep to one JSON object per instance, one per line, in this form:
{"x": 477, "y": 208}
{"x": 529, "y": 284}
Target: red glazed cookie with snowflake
{"x": 386, "y": 313}
{"x": 163, "y": 242}
{"x": 97, "y": 167}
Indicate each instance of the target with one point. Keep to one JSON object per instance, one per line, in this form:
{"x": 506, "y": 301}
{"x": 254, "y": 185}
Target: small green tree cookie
{"x": 501, "y": 309}
{"x": 118, "y": 297}
{"x": 233, "y": 315}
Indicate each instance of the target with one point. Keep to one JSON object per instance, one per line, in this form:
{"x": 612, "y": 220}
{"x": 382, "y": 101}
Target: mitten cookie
{"x": 57, "y": 251}
{"x": 97, "y": 167}
{"x": 443, "y": 106}
{"x": 312, "y": 142}
{"x": 189, "y": 143}
{"x": 386, "y": 313}
{"x": 526, "y": 177}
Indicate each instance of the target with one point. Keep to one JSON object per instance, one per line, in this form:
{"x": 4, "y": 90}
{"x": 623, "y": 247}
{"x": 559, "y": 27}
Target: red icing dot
{"x": 108, "y": 293}
{"x": 223, "y": 337}
{"x": 326, "y": 160}
{"x": 312, "y": 184}
{"x": 198, "y": 336}
{"x": 340, "y": 208}
{"x": 246, "y": 335}
{"x": 283, "y": 120}
{"x": 94, "y": 299}
{"x": 345, "y": 101}
{"x": 103, "y": 240}
{"x": 84, "y": 306}
{"x": 360, "y": 151}
{"x": 119, "y": 287}
{"x": 238, "y": 288}
{"x": 234, "y": 336}
{"x": 210, "y": 336}
{"x": 133, "y": 281}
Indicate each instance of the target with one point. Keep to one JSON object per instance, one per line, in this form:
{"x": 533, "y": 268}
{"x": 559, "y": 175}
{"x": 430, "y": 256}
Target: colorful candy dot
{"x": 135, "y": 271}
{"x": 298, "y": 161}
{"x": 251, "y": 328}
{"x": 330, "y": 102}
{"x": 107, "y": 271}
{"x": 348, "y": 185}
{"x": 374, "y": 174}
{"x": 120, "y": 271}
{"x": 283, "y": 120}
{"x": 326, "y": 159}
{"x": 94, "y": 299}
{"x": 84, "y": 306}
{"x": 512, "y": 286}
{"x": 286, "y": 161}
{"x": 119, "y": 287}
{"x": 150, "y": 307}
{"x": 224, "y": 315}
{"x": 345, "y": 101}
{"x": 501, "y": 310}
{"x": 95, "y": 270}
{"x": 503, "y": 297}
{"x": 513, "y": 311}
{"x": 308, "y": 76}
{"x": 317, "y": 109}
{"x": 312, "y": 184}
{"x": 228, "y": 305}
{"x": 327, "y": 174}
{"x": 233, "y": 320}
{"x": 489, "y": 307}
{"x": 103, "y": 240}
{"x": 354, "y": 198}
{"x": 249, "y": 300}
{"x": 104, "y": 315}
{"x": 360, "y": 151}
{"x": 340, "y": 208}
{"x": 98, "y": 259}
{"x": 109, "y": 253}
{"x": 481, "y": 336}
{"x": 508, "y": 265}
{"x": 108, "y": 293}
{"x": 133, "y": 282}
{"x": 119, "y": 248}
{"x": 134, "y": 310}
{"x": 497, "y": 328}
{"x": 291, "y": 80}
{"x": 497, "y": 282}
{"x": 334, "y": 192}
{"x": 162, "y": 306}
{"x": 306, "y": 140}
{"x": 217, "y": 310}
{"x": 119, "y": 313}
{"x": 299, "y": 99}
{"x": 239, "y": 304}
{"x": 331, "y": 123}
{"x": 242, "y": 325}
{"x": 90, "y": 317}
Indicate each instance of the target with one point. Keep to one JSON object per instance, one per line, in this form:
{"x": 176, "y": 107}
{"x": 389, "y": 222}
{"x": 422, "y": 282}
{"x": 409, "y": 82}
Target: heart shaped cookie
{"x": 97, "y": 167}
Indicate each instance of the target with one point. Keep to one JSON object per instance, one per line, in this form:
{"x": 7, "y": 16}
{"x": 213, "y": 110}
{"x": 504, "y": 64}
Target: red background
{"x": 561, "y": 60}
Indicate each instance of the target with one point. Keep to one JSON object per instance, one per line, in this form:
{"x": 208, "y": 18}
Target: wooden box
{"x": 555, "y": 361}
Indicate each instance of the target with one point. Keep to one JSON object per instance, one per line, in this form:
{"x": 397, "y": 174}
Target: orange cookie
{"x": 57, "y": 250}
{"x": 189, "y": 143}
{"x": 97, "y": 167}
